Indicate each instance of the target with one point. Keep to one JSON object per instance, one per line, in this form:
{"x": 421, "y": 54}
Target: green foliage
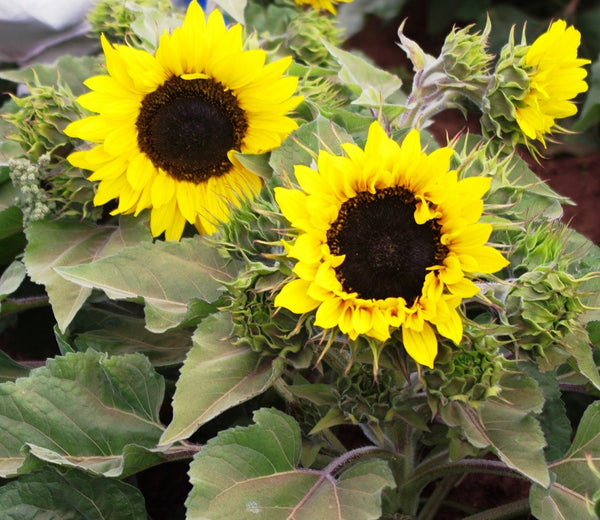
{"x": 52, "y": 494}
{"x": 215, "y": 376}
{"x": 269, "y": 482}
{"x": 157, "y": 351}
{"x": 112, "y": 408}
{"x": 574, "y": 482}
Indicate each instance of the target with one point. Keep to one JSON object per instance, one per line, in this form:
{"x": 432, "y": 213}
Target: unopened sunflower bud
{"x": 546, "y": 307}
{"x": 465, "y": 56}
{"x": 41, "y": 119}
{"x": 305, "y": 36}
{"x": 458, "y": 78}
{"x": 469, "y": 372}
{"x": 113, "y": 18}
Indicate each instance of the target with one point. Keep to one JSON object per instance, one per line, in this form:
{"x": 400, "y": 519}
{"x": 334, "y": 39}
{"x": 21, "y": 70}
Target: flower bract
{"x": 386, "y": 237}
{"x": 168, "y": 125}
{"x": 556, "y": 77}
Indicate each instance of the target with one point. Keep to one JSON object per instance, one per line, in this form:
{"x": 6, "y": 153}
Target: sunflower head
{"x": 534, "y": 85}
{"x": 168, "y": 123}
{"x": 386, "y": 238}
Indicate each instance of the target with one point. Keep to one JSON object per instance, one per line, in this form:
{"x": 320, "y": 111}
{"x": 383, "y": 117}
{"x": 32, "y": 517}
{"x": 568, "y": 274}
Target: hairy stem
{"x": 435, "y": 500}
{"x": 12, "y": 305}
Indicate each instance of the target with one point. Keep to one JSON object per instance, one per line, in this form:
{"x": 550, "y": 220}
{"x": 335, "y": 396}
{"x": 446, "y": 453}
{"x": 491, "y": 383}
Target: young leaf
{"x": 84, "y": 410}
{"x": 11, "y": 278}
{"x": 506, "y": 424}
{"x": 167, "y": 275}
{"x": 235, "y": 8}
{"x": 251, "y": 472}
{"x": 303, "y": 145}
{"x": 364, "y": 77}
{"x": 215, "y": 376}
{"x": 570, "y": 492}
{"x": 74, "y": 495}
{"x": 66, "y": 243}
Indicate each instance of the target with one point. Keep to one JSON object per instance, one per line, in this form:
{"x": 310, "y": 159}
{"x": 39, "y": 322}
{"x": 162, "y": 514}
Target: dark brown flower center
{"x": 186, "y": 127}
{"x": 387, "y": 252}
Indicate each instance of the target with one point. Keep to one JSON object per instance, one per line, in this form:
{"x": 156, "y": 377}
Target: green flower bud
{"x": 469, "y": 372}
{"x": 41, "y": 119}
{"x": 465, "y": 57}
{"x": 458, "y": 78}
{"x": 305, "y": 35}
{"x": 545, "y": 306}
{"x": 113, "y": 18}
{"x": 364, "y": 400}
{"x": 257, "y": 324}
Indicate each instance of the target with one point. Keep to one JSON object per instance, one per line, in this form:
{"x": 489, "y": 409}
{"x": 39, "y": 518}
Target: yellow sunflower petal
{"x": 421, "y": 345}
{"x": 294, "y": 296}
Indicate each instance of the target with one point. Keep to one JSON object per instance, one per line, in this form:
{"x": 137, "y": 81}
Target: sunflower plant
{"x": 234, "y": 253}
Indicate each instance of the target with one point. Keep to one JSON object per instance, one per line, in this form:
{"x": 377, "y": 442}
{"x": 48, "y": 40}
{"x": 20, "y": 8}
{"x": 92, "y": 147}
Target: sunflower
{"x": 386, "y": 236}
{"x": 556, "y": 76}
{"x": 322, "y": 4}
{"x": 168, "y": 125}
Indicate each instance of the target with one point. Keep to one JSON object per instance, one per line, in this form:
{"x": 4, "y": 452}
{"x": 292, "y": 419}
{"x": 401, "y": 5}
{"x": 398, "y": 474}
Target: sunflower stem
{"x": 438, "y": 495}
{"x": 12, "y": 305}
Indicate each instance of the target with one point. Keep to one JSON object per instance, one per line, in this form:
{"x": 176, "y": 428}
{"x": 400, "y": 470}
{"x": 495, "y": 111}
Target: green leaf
{"x": 215, "y": 376}
{"x": 12, "y": 239}
{"x": 256, "y": 163}
{"x": 505, "y": 423}
{"x": 10, "y": 369}
{"x": 83, "y": 410}
{"x": 569, "y": 495}
{"x": 553, "y": 419}
{"x": 73, "y": 495}
{"x": 167, "y": 275}
{"x": 117, "y": 334}
{"x": 303, "y": 145}
{"x": 372, "y": 83}
{"x": 270, "y": 486}
{"x": 11, "y": 278}
{"x": 235, "y": 8}
{"x": 577, "y": 344}
{"x": 152, "y": 23}
{"x": 70, "y": 70}
{"x": 53, "y": 245}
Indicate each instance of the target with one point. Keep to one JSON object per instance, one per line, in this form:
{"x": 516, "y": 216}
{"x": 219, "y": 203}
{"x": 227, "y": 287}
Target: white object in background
{"x": 42, "y": 30}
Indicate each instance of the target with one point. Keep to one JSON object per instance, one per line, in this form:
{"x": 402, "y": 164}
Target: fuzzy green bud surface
{"x": 469, "y": 373}
{"x": 41, "y": 119}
